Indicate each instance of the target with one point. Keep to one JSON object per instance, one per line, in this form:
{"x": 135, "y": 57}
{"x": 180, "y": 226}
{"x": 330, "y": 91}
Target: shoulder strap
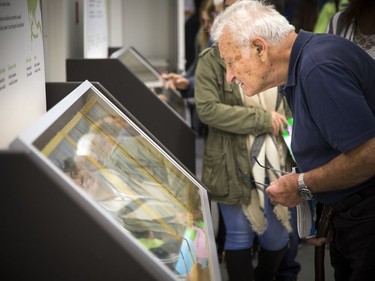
{"x": 335, "y": 23}
{"x": 336, "y": 26}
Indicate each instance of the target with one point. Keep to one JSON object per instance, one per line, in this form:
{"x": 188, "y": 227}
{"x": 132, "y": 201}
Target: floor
{"x": 306, "y": 259}
{"x": 305, "y": 254}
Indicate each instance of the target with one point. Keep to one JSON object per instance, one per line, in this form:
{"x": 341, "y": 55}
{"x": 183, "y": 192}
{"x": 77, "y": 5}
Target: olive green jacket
{"x": 226, "y": 163}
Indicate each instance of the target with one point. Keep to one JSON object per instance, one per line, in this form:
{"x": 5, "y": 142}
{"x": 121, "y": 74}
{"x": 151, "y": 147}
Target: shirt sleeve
{"x": 338, "y": 106}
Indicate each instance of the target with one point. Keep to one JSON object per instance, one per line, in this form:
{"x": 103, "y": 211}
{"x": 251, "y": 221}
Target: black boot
{"x": 268, "y": 264}
{"x": 239, "y": 265}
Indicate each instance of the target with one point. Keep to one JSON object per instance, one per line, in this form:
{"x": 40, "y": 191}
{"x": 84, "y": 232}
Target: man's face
{"x": 244, "y": 68}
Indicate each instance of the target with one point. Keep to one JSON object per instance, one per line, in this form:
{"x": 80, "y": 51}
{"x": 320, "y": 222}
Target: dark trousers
{"x": 353, "y": 247}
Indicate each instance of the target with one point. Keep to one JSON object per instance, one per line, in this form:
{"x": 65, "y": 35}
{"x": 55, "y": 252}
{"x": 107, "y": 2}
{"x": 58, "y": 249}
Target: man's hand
{"x": 316, "y": 241}
{"x": 284, "y": 191}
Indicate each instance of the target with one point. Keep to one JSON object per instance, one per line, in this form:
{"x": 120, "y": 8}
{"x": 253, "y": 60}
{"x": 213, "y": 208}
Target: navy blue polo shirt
{"x": 331, "y": 92}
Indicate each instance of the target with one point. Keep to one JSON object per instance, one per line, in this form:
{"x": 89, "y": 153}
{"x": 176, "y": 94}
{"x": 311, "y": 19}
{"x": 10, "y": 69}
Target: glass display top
{"x": 109, "y": 160}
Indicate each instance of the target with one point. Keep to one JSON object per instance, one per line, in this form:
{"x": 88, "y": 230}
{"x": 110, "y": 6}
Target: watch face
{"x": 305, "y": 194}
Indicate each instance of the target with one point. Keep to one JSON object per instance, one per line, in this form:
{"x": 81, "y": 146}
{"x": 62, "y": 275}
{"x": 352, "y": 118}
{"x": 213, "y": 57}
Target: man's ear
{"x": 259, "y": 45}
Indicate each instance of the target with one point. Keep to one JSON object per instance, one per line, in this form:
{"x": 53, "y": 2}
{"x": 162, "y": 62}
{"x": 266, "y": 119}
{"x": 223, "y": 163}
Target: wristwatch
{"x": 304, "y": 192}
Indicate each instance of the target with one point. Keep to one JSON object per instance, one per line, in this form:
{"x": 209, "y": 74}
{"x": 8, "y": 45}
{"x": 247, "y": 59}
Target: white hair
{"x": 247, "y": 19}
{"x": 85, "y": 145}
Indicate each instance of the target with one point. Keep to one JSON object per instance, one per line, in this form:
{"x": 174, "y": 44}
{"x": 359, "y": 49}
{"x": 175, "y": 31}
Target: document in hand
{"x": 306, "y": 217}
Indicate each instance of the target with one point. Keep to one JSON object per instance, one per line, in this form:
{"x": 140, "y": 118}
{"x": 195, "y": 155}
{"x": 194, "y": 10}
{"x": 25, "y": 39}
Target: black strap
{"x": 323, "y": 231}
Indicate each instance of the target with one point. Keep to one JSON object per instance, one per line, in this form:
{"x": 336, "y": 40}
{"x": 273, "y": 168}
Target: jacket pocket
{"x": 215, "y": 175}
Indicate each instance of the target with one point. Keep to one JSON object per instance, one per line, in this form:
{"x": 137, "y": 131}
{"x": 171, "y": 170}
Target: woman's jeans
{"x": 240, "y": 235}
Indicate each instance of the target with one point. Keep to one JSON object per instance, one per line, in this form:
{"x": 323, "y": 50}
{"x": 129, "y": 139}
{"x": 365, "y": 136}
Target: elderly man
{"x": 329, "y": 83}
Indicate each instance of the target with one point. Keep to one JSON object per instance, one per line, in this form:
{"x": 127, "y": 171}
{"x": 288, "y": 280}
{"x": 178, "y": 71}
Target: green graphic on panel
{"x": 35, "y": 24}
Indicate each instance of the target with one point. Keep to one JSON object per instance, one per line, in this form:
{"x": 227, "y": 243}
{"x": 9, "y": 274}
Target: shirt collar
{"x": 302, "y": 39}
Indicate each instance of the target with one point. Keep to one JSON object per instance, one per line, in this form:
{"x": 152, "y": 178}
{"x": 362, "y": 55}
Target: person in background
{"x": 185, "y": 83}
{"x": 191, "y": 30}
{"x": 356, "y": 23}
{"x": 238, "y": 129}
{"x": 329, "y": 83}
{"x": 306, "y": 14}
{"x": 328, "y": 9}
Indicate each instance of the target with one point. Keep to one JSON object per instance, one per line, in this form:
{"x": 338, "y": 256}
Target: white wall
{"x": 63, "y": 36}
{"x": 115, "y": 23}
{"x": 155, "y": 28}
{"x": 159, "y": 33}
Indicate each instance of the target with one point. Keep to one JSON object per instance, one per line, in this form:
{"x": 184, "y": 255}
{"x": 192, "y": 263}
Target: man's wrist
{"x": 303, "y": 190}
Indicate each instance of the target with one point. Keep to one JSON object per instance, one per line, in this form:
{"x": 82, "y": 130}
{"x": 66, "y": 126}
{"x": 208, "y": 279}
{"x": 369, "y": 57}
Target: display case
{"x": 157, "y": 116}
{"x": 178, "y": 141}
{"x": 133, "y": 188}
{"x": 149, "y": 75}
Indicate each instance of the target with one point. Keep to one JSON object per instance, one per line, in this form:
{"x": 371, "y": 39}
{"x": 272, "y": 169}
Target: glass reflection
{"x": 130, "y": 177}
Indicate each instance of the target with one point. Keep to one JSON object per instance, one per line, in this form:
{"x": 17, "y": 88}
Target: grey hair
{"x": 247, "y": 19}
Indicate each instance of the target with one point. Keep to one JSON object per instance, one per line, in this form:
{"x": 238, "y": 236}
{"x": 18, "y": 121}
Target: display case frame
{"x": 139, "y": 65}
{"x": 151, "y": 77}
{"x": 140, "y": 193}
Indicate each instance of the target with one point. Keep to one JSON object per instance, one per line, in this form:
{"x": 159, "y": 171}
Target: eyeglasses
{"x": 249, "y": 179}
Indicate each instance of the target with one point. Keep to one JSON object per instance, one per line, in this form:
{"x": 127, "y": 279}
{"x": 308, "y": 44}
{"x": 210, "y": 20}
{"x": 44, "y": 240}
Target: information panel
{"x": 22, "y": 74}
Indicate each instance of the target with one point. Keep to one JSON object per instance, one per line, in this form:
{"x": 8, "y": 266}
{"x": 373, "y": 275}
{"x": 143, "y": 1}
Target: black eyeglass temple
{"x": 268, "y": 168}
{"x": 247, "y": 178}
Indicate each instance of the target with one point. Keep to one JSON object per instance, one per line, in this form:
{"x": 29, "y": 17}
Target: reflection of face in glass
{"x": 103, "y": 137}
{"x": 96, "y": 146}
{"x": 85, "y": 175}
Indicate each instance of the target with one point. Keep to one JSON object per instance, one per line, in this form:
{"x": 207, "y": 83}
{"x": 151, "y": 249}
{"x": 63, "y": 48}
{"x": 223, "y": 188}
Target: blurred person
{"x": 325, "y": 14}
{"x": 208, "y": 13}
{"x": 305, "y": 15}
{"x": 191, "y": 30}
{"x": 356, "y": 23}
{"x": 185, "y": 83}
{"x": 329, "y": 83}
{"x": 239, "y": 128}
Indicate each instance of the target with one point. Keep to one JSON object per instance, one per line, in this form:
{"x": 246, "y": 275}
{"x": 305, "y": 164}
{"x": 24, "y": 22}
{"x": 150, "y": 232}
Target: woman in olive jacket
{"x": 235, "y": 124}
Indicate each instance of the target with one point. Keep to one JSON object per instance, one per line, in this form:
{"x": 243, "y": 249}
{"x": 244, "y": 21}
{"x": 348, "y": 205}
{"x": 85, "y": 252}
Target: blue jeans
{"x": 240, "y": 235}
{"x": 289, "y": 267}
